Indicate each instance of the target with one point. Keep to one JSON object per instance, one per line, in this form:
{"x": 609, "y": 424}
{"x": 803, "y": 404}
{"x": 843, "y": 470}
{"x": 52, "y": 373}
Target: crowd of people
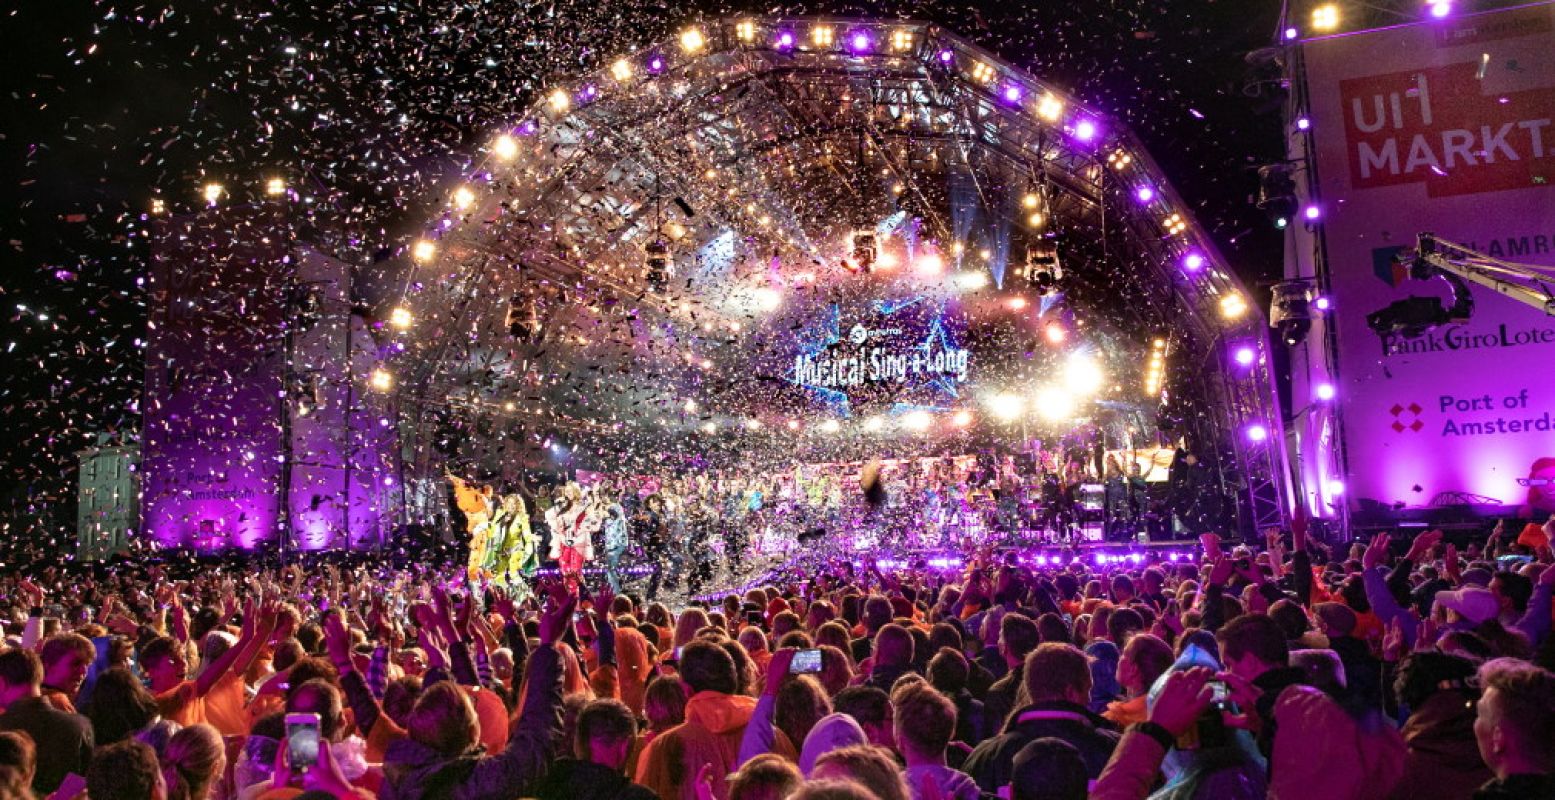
{"x": 1401, "y": 669}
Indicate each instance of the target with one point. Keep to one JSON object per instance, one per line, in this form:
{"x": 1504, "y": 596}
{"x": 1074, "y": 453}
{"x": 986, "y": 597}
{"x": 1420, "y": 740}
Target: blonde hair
{"x": 191, "y": 761}
{"x": 691, "y": 621}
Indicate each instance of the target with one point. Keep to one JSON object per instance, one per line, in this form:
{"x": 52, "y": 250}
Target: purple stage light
{"x": 1244, "y": 356}
{"x": 1085, "y": 130}
{"x": 1325, "y": 391}
{"x": 1144, "y": 194}
{"x": 1257, "y": 432}
{"x": 946, "y": 56}
{"x": 1313, "y": 213}
{"x": 1041, "y": 561}
{"x": 656, "y": 64}
{"x": 1101, "y": 559}
{"x": 785, "y": 40}
{"x": 1193, "y": 262}
{"x": 1323, "y": 303}
{"x": 860, "y": 42}
{"x": 1012, "y": 94}
{"x": 1440, "y": 9}
{"x": 1137, "y": 558}
{"x": 1290, "y": 33}
{"x": 589, "y": 92}
{"x": 1302, "y": 124}
{"x": 1173, "y": 556}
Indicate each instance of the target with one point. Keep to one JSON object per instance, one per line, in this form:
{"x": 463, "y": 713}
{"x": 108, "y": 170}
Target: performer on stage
{"x": 512, "y": 546}
{"x": 476, "y": 503}
{"x": 571, "y": 541}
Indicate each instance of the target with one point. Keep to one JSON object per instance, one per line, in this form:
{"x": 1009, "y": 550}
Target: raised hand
{"x": 1182, "y": 699}
{"x": 557, "y": 614}
{"x": 1376, "y": 552}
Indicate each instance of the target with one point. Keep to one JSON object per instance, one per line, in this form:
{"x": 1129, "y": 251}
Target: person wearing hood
{"x": 833, "y": 732}
{"x": 605, "y": 734}
{"x": 1442, "y": 759}
{"x": 925, "y": 720}
{"x": 441, "y": 757}
{"x": 716, "y": 718}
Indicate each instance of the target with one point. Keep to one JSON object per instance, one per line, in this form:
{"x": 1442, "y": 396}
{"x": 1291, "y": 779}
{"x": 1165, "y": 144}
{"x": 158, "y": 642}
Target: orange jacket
{"x": 711, "y": 734}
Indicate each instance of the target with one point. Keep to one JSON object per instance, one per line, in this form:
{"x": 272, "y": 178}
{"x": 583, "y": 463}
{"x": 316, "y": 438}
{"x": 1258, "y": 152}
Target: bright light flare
{"x": 559, "y": 100}
{"x": 275, "y": 187}
{"x": 971, "y": 281}
{"x": 423, "y": 250}
{"x": 768, "y": 299}
{"x": 691, "y": 40}
{"x": 381, "y": 380}
{"x": 961, "y": 419}
{"x": 1082, "y": 375}
{"x": 621, "y": 70}
{"x": 1055, "y": 333}
{"x": 874, "y": 424}
{"x": 917, "y": 420}
{"x": 1053, "y": 404}
{"x": 929, "y": 263}
{"x": 1325, "y": 18}
{"x": 464, "y": 197}
{"x": 830, "y": 426}
{"x": 401, "y": 317}
{"x": 1006, "y": 407}
{"x": 212, "y": 192}
{"x": 504, "y": 147}
{"x": 1050, "y": 108}
{"x": 1233, "y": 306}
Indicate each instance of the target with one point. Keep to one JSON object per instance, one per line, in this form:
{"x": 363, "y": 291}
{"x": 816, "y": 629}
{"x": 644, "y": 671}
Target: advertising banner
{"x": 1446, "y": 127}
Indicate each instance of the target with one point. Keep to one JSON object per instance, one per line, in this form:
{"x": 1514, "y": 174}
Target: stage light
{"x": 675, "y": 230}
{"x": 946, "y": 56}
{"x": 275, "y": 187}
{"x": 1016, "y": 303}
{"x": 504, "y": 147}
{"x": 690, "y": 406}
{"x": 1193, "y": 262}
{"x": 886, "y": 260}
{"x": 865, "y": 247}
{"x": 1303, "y": 124}
{"x": 1035, "y": 219}
{"x": 1325, "y": 18}
{"x": 510, "y": 406}
{"x": 961, "y": 418}
{"x": 1244, "y": 356}
{"x": 1085, "y": 130}
{"x": 793, "y": 424}
{"x": 559, "y": 101}
{"x": 1031, "y": 200}
{"x": 423, "y": 250}
{"x": 822, "y": 36}
{"x": 656, "y": 65}
{"x": 1082, "y": 375}
{"x": 1325, "y": 392}
{"x": 929, "y": 263}
{"x": 709, "y": 427}
{"x": 1119, "y": 159}
{"x": 874, "y": 424}
{"x": 784, "y": 41}
{"x": 1055, "y": 333}
{"x": 917, "y": 420}
{"x": 1144, "y": 194}
{"x": 691, "y": 40}
{"x": 463, "y": 198}
{"x": 752, "y": 424}
{"x": 212, "y": 192}
{"x": 860, "y": 42}
{"x": 745, "y": 30}
{"x": 1322, "y": 303}
{"x": 1313, "y": 213}
{"x": 1007, "y": 407}
{"x": 401, "y": 317}
{"x": 1042, "y": 271}
{"x": 1174, "y": 225}
{"x": 1440, "y": 8}
{"x": 830, "y": 426}
{"x": 1291, "y": 33}
{"x": 1050, "y": 108}
{"x": 380, "y": 380}
{"x": 158, "y": 206}
{"x": 971, "y": 281}
{"x": 621, "y": 70}
{"x": 1256, "y": 432}
{"x": 1053, "y": 404}
{"x": 1012, "y": 94}
{"x": 1336, "y": 488}
{"x": 1041, "y": 561}
{"x": 768, "y": 299}
{"x": 657, "y": 265}
{"x": 901, "y": 39}
{"x": 1232, "y": 306}
{"x": 982, "y": 73}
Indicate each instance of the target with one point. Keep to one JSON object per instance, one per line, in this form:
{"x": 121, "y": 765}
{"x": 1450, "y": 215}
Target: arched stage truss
{"x": 783, "y": 132}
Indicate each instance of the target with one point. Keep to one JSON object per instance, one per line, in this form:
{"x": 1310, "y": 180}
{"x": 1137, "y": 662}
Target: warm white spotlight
{"x": 1053, "y": 404}
{"x": 1050, "y": 108}
{"x": 401, "y": 317}
{"x": 1016, "y": 303}
{"x": 212, "y": 192}
{"x": 1325, "y": 18}
{"x": 380, "y": 380}
{"x": 901, "y": 39}
{"x": 464, "y": 197}
{"x": 1055, "y": 333}
{"x": 275, "y": 187}
{"x": 823, "y": 35}
{"x": 830, "y": 426}
{"x": 874, "y": 424}
{"x": 971, "y": 281}
{"x": 1082, "y": 375}
{"x": 929, "y": 263}
{"x": 621, "y": 70}
{"x": 917, "y": 420}
{"x": 962, "y": 418}
{"x": 692, "y": 41}
{"x": 158, "y": 206}
{"x": 745, "y": 30}
{"x": 709, "y": 427}
{"x": 1031, "y": 200}
{"x": 793, "y": 424}
{"x": 1232, "y": 306}
{"x": 504, "y": 147}
{"x": 690, "y": 406}
{"x": 1035, "y": 219}
{"x": 753, "y": 424}
{"x": 559, "y": 101}
{"x": 768, "y": 299}
{"x": 1006, "y": 407}
{"x": 423, "y": 250}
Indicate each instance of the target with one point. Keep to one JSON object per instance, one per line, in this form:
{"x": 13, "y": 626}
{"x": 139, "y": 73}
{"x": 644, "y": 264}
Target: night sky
{"x": 364, "y": 105}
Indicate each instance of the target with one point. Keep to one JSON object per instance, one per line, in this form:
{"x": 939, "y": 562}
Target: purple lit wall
{"x": 212, "y": 447}
{"x": 216, "y": 390}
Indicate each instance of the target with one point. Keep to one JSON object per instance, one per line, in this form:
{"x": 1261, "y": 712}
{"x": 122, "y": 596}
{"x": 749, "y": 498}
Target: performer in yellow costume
{"x": 476, "y": 503}
{"x": 511, "y": 544}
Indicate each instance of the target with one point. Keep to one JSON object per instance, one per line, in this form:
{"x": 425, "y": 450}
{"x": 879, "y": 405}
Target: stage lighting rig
{"x": 1290, "y": 311}
{"x": 866, "y": 249}
{"x": 658, "y": 265}
{"x": 1277, "y": 193}
{"x": 524, "y": 320}
{"x": 1043, "y": 270}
